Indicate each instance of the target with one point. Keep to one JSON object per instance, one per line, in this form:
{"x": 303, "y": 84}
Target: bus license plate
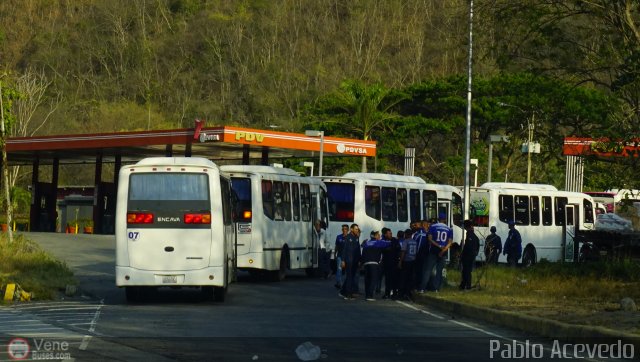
{"x": 169, "y": 279}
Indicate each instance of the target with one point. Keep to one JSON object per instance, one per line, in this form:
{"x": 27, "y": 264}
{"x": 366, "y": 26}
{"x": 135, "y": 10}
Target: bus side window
{"x": 278, "y": 208}
{"x": 506, "y": 208}
{"x": 389, "y": 209}
{"x": 547, "y": 211}
{"x": 430, "y": 205}
{"x": 372, "y": 201}
{"x": 522, "y": 210}
{"x": 456, "y": 210}
{"x": 414, "y": 204}
{"x": 305, "y": 200}
{"x": 560, "y": 202}
{"x": 534, "y": 207}
{"x": 587, "y": 211}
{"x": 295, "y": 192}
{"x": 403, "y": 214}
{"x": 267, "y": 199}
{"x": 286, "y": 201}
{"x": 324, "y": 210}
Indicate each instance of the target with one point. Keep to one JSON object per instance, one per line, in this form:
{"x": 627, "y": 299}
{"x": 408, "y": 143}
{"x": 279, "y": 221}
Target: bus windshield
{"x": 341, "y": 201}
{"x": 169, "y": 187}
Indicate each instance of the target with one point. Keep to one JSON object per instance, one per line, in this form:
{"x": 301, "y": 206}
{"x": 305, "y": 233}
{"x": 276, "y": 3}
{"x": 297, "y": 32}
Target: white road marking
{"x": 481, "y": 330}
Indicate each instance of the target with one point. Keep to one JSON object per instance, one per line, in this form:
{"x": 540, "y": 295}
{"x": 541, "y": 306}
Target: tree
{"x": 356, "y": 109}
{"x": 33, "y": 109}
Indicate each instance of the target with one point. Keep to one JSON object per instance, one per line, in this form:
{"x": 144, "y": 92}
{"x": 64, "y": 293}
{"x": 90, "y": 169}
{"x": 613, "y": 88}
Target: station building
{"x": 222, "y": 144}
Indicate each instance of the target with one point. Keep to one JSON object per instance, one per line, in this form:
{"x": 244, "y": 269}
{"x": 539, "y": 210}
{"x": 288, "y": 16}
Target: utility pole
{"x": 5, "y": 168}
{"x": 530, "y": 125}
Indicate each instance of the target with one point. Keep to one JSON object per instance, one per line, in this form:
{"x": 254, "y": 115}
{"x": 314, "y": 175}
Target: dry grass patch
{"x": 25, "y": 263}
{"x": 584, "y": 294}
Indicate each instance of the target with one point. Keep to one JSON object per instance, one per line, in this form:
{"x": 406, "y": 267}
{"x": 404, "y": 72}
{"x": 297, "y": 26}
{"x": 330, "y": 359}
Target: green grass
{"x": 25, "y": 263}
{"x": 586, "y": 293}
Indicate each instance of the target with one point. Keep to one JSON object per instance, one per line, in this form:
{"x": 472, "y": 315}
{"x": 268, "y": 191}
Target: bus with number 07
{"x": 174, "y": 227}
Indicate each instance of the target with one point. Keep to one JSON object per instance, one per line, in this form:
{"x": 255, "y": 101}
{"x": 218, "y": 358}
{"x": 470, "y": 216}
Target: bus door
{"x": 242, "y": 213}
{"x": 315, "y": 215}
{"x": 569, "y": 231}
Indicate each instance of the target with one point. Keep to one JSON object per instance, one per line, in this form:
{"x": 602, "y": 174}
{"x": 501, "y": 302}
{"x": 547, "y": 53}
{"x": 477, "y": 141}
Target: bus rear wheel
{"x": 281, "y": 273}
{"x": 529, "y": 256}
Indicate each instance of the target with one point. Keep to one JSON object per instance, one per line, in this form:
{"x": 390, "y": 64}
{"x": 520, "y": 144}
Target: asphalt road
{"x": 297, "y": 319}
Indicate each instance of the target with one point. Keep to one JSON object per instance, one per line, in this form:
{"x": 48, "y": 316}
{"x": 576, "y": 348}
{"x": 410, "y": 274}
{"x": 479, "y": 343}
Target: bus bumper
{"x": 211, "y": 276}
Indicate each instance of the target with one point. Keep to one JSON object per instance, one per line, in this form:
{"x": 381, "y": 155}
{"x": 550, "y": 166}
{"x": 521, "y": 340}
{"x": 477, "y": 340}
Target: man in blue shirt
{"x": 513, "y": 245}
{"x": 440, "y": 237}
{"x": 371, "y": 256}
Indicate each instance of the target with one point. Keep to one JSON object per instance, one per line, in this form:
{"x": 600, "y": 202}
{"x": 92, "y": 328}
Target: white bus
{"x": 375, "y": 200}
{"x": 275, "y": 209}
{"x": 174, "y": 227}
{"x": 545, "y": 217}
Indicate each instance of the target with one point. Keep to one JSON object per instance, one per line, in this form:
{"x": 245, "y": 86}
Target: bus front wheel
{"x": 529, "y": 256}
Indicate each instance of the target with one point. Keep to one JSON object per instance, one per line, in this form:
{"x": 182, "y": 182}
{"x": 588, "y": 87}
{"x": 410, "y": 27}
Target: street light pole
{"x": 314, "y": 133}
{"x": 530, "y": 125}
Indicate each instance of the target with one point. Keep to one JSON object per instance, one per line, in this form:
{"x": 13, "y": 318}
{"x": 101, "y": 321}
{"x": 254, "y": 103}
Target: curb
{"x": 571, "y": 333}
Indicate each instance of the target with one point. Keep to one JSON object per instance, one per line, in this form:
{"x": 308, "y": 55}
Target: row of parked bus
{"x": 187, "y": 222}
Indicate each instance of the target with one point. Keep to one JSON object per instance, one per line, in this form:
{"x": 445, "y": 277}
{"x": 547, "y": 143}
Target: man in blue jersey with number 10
{"x": 440, "y": 237}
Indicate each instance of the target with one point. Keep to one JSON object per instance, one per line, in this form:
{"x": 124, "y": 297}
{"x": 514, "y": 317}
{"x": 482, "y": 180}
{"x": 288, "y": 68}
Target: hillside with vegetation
{"x": 391, "y": 71}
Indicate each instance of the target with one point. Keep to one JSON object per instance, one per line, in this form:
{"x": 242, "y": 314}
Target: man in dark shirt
{"x": 513, "y": 245}
{"x": 470, "y": 250}
{"x": 492, "y": 247}
{"x": 350, "y": 262}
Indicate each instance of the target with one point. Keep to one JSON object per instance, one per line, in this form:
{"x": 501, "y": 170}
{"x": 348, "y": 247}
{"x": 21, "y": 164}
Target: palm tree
{"x": 357, "y": 110}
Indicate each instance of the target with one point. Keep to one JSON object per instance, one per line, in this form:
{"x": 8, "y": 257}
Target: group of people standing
{"x": 407, "y": 261}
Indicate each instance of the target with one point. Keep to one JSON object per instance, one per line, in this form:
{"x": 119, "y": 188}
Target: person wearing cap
{"x": 470, "y": 250}
{"x": 440, "y": 237}
{"x": 492, "y": 247}
{"x": 371, "y": 255}
{"x": 513, "y": 245}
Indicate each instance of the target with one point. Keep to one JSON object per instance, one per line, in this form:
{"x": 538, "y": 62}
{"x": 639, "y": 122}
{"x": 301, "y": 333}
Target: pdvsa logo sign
{"x": 342, "y": 148}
